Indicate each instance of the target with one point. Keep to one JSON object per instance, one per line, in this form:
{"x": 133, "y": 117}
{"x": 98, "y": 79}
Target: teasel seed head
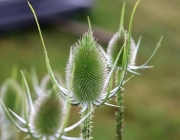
{"x": 48, "y": 115}
{"x": 90, "y": 71}
{"x": 115, "y": 44}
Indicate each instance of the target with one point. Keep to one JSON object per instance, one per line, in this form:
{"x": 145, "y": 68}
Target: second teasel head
{"x": 48, "y": 115}
{"x": 116, "y": 43}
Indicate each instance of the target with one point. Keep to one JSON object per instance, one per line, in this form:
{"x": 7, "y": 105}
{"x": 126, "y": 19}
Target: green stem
{"x": 120, "y": 111}
{"x": 120, "y": 98}
{"x": 121, "y": 25}
{"x": 120, "y": 115}
{"x": 86, "y": 125}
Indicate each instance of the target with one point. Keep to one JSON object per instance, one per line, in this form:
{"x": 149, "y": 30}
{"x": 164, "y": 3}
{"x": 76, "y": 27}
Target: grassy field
{"x": 152, "y": 100}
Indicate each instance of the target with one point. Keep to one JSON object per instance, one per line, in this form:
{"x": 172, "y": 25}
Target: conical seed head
{"x": 11, "y": 94}
{"x": 90, "y": 69}
{"x": 115, "y": 45}
{"x": 48, "y": 115}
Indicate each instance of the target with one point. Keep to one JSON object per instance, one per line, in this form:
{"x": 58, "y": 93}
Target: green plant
{"x": 116, "y": 43}
{"x": 89, "y": 83}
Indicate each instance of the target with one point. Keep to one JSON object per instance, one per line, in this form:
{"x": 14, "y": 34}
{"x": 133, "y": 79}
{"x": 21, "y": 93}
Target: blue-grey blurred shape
{"x": 16, "y": 13}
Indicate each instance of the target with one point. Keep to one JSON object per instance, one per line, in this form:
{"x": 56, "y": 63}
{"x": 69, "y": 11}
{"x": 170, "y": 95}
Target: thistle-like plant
{"x": 90, "y": 76}
{"x": 118, "y": 40}
{"x": 91, "y": 83}
{"x": 115, "y": 44}
{"x": 47, "y": 117}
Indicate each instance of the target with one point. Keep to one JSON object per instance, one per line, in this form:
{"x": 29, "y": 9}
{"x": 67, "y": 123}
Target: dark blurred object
{"x": 17, "y": 14}
{"x": 79, "y": 28}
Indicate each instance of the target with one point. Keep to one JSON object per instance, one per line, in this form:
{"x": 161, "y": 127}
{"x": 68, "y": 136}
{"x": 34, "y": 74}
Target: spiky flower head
{"x": 115, "y": 44}
{"x": 48, "y": 115}
{"x": 90, "y": 69}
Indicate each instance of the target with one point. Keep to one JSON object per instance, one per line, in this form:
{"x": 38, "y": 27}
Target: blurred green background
{"x": 152, "y": 100}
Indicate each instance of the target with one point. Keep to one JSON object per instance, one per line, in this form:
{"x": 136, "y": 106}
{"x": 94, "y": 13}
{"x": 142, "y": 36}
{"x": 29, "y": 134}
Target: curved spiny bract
{"x": 90, "y": 71}
{"x": 47, "y": 118}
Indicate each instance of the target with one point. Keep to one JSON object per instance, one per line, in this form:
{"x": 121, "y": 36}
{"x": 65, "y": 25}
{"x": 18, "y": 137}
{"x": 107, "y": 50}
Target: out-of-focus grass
{"x": 152, "y": 100}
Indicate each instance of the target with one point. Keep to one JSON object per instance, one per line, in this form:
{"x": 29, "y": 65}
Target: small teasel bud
{"x": 11, "y": 94}
{"x": 48, "y": 115}
{"x": 116, "y": 43}
{"x": 90, "y": 71}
